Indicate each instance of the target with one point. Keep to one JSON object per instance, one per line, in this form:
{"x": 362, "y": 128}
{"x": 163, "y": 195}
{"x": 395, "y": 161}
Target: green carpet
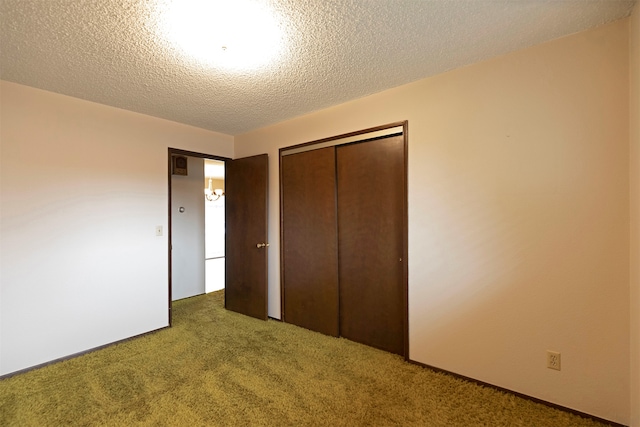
{"x": 218, "y": 368}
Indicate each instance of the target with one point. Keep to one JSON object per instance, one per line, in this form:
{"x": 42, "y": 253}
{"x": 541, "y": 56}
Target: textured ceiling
{"x": 111, "y": 52}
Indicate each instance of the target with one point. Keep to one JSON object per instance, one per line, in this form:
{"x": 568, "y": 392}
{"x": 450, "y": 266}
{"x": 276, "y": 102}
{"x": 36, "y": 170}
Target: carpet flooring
{"x": 219, "y": 368}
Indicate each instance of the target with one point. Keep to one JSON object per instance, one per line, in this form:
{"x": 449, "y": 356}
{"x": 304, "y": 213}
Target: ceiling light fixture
{"x": 211, "y": 194}
{"x": 227, "y": 34}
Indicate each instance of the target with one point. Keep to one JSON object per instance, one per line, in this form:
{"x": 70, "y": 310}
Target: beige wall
{"x": 518, "y": 215}
{"x": 634, "y": 50}
{"x": 83, "y": 187}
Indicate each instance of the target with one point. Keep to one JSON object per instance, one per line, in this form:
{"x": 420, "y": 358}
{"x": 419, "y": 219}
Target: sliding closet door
{"x": 370, "y": 222}
{"x": 310, "y": 246}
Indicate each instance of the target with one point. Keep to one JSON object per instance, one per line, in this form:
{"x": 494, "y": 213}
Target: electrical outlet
{"x": 553, "y": 360}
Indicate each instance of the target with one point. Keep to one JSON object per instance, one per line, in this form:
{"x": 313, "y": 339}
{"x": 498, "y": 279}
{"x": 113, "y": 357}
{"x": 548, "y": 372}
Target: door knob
{"x": 261, "y": 245}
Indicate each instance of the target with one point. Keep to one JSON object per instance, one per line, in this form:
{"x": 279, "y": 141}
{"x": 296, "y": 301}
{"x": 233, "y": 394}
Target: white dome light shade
{"x": 231, "y": 34}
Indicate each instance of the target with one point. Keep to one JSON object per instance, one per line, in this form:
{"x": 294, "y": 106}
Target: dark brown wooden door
{"x": 310, "y": 241}
{"x": 370, "y": 223}
{"x": 246, "y": 233}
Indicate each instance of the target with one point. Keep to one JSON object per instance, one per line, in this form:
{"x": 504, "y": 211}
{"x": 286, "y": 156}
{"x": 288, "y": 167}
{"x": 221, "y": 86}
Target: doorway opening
{"x": 214, "y": 225}
{"x": 196, "y": 235}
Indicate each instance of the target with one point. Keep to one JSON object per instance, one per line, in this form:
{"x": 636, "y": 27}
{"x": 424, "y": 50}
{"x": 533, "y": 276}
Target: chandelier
{"x": 211, "y": 194}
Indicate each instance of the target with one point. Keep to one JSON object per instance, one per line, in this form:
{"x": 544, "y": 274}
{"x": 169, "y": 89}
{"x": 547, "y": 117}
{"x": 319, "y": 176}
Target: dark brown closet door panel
{"x": 370, "y": 222}
{"x": 310, "y": 246}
